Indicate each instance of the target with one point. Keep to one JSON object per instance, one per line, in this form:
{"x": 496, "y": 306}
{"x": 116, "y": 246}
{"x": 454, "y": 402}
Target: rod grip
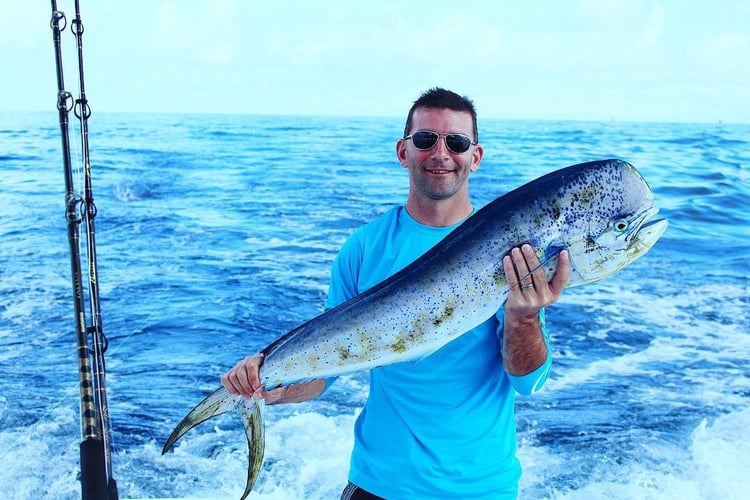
{"x": 93, "y": 470}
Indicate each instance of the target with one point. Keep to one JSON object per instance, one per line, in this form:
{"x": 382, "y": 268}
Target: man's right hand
{"x": 244, "y": 380}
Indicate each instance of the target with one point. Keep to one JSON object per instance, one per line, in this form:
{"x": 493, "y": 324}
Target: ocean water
{"x": 215, "y": 235}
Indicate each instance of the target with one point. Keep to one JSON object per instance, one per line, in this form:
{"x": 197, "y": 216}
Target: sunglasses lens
{"x": 424, "y": 139}
{"x": 457, "y": 143}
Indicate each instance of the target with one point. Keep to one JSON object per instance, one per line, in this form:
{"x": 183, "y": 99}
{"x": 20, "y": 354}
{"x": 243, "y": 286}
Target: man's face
{"x": 439, "y": 173}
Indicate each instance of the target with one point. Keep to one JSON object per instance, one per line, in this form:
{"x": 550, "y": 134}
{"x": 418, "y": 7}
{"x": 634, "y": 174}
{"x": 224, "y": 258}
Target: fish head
{"x": 618, "y": 229}
{"x": 625, "y": 239}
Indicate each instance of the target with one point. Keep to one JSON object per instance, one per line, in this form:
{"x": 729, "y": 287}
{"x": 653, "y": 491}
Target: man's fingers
{"x": 536, "y": 269}
{"x": 521, "y": 268}
{"x": 243, "y": 378}
{"x": 562, "y": 274}
{"x": 510, "y": 272}
{"x": 228, "y": 384}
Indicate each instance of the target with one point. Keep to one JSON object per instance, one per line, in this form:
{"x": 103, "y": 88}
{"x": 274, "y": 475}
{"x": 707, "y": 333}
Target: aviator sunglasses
{"x": 426, "y": 139}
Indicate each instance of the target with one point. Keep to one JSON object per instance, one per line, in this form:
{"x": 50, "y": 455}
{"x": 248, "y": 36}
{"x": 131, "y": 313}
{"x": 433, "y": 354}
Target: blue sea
{"x": 215, "y": 234}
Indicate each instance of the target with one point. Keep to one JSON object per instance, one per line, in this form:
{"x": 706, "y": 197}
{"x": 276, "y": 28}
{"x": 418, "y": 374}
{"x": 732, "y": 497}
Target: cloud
{"x": 593, "y": 59}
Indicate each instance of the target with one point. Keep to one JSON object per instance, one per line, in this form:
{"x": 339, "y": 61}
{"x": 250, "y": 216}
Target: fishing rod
{"x": 97, "y": 481}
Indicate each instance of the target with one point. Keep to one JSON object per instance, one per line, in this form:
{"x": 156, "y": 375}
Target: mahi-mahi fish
{"x": 599, "y": 211}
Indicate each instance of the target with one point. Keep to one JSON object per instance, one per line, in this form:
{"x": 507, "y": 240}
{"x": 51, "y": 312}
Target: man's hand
{"x": 524, "y": 349}
{"x": 244, "y": 380}
{"x": 529, "y": 291}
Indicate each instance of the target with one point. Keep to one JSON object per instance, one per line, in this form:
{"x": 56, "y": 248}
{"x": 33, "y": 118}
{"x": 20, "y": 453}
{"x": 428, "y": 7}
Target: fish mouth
{"x": 647, "y": 232}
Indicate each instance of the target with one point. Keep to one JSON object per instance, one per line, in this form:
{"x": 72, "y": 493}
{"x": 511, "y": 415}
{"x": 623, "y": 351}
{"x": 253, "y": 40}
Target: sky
{"x": 624, "y": 60}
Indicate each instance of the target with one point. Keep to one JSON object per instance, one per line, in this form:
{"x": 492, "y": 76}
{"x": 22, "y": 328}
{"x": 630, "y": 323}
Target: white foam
{"x": 714, "y": 467}
{"x": 307, "y": 456}
{"x": 699, "y": 324}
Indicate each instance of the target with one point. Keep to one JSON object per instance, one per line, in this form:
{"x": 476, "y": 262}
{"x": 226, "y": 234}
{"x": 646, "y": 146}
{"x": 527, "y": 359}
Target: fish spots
{"x": 498, "y": 276}
{"x": 556, "y": 212}
{"x": 404, "y": 342}
{"x": 423, "y": 327}
{"x": 343, "y": 352}
{"x": 304, "y": 360}
{"x": 399, "y": 346}
{"x": 589, "y": 194}
{"x": 430, "y": 324}
{"x": 447, "y": 314}
{"x": 364, "y": 340}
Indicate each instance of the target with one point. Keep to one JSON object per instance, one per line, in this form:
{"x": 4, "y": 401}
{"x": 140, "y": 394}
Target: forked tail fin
{"x": 252, "y": 419}
{"x": 219, "y": 402}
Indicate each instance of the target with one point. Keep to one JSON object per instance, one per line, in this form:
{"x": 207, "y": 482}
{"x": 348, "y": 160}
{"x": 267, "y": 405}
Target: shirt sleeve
{"x": 531, "y": 382}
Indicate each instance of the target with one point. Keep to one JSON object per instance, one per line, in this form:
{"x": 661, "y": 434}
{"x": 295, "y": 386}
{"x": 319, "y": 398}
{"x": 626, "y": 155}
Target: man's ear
{"x": 476, "y": 157}
{"x": 401, "y": 153}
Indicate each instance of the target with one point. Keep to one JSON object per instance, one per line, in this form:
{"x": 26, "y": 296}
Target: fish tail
{"x": 252, "y": 419}
{"x": 219, "y": 402}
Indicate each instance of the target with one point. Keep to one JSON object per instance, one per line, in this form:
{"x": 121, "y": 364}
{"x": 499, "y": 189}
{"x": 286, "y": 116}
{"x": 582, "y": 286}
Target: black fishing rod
{"x": 97, "y": 481}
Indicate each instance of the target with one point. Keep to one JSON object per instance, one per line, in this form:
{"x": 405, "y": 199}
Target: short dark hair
{"x": 440, "y": 98}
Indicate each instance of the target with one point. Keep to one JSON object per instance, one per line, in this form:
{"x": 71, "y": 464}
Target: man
{"x": 442, "y": 426}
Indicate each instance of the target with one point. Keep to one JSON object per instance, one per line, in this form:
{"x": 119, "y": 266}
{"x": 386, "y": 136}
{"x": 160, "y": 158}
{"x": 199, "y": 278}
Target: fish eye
{"x": 621, "y": 225}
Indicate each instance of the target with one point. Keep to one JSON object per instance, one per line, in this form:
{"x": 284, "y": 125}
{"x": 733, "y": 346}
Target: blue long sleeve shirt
{"x": 442, "y": 426}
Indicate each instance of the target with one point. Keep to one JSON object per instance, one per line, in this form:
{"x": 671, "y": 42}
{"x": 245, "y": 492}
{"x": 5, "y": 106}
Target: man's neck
{"x": 439, "y": 213}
